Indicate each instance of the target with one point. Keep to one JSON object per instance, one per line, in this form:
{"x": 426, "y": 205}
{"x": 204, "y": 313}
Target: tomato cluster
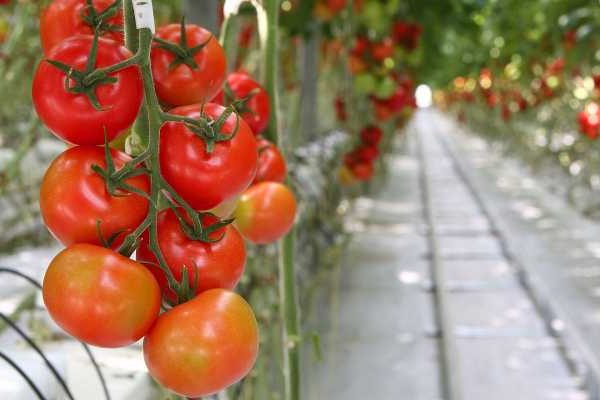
{"x": 589, "y": 120}
{"x": 210, "y": 162}
{"x": 359, "y": 164}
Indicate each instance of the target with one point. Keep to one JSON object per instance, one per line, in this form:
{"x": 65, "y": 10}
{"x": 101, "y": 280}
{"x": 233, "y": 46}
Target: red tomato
{"x": 64, "y": 19}
{"x": 367, "y": 153}
{"x": 71, "y": 116}
{"x": 179, "y": 85}
{"x": 200, "y": 347}
{"x": 266, "y": 212}
{"x": 207, "y": 179}
{"x": 256, "y": 110}
{"x": 271, "y": 164}
{"x": 100, "y": 297}
{"x": 216, "y": 265}
{"x": 371, "y": 135}
{"x": 336, "y": 5}
{"x": 73, "y": 198}
{"x": 383, "y": 49}
{"x": 363, "y": 171}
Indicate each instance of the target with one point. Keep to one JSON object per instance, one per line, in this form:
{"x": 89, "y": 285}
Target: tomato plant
{"x": 99, "y": 296}
{"x": 215, "y": 261}
{"x": 222, "y": 173}
{"x": 198, "y": 348}
{"x": 78, "y": 106}
{"x": 63, "y": 19}
{"x": 266, "y": 212}
{"x": 188, "y": 64}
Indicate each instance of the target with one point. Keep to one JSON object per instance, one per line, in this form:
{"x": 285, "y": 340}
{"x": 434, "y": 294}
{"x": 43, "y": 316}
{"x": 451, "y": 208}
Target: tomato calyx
{"x": 97, "y": 20}
{"x": 85, "y": 82}
{"x": 182, "y": 52}
{"x": 208, "y": 129}
{"x": 115, "y": 179}
{"x": 195, "y": 229}
{"x": 240, "y": 105}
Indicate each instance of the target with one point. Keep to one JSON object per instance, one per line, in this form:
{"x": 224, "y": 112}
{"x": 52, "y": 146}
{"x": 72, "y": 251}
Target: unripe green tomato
{"x": 374, "y": 16}
{"x": 365, "y": 84}
{"x": 385, "y": 88}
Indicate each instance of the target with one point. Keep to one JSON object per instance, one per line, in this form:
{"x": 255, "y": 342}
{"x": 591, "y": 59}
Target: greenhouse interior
{"x": 364, "y": 200}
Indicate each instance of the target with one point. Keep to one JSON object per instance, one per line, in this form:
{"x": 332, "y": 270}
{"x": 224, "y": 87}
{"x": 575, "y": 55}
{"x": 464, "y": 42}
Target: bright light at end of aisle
{"x": 423, "y": 96}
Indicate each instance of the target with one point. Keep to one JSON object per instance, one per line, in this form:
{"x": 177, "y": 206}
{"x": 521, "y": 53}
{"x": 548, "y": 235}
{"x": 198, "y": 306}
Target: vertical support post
{"x": 309, "y": 60}
{"x": 204, "y": 13}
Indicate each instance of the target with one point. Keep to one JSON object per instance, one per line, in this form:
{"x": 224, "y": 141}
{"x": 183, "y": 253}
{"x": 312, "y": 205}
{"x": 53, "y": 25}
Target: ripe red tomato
{"x": 207, "y": 179}
{"x": 363, "y": 171}
{"x": 383, "y": 49}
{"x": 271, "y": 164}
{"x": 216, "y": 265}
{"x": 371, "y": 135}
{"x": 200, "y": 347}
{"x": 73, "y": 198}
{"x": 367, "y": 153}
{"x": 179, "y": 85}
{"x": 99, "y": 296}
{"x": 64, "y": 19}
{"x": 266, "y": 212}
{"x": 71, "y": 116}
{"x": 256, "y": 109}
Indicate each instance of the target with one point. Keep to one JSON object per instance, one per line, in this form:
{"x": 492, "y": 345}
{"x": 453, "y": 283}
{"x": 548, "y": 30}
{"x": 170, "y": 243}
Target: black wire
{"x": 85, "y": 346}
{"x": 31, "y": 384}
{"x": 37, "y": 349}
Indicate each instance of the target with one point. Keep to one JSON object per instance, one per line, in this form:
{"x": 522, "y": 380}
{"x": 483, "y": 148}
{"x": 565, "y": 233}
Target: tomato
{"x": 181, "y": 84}
{"x": 266, "y": 212}
{"x": 99, "y": 296}
{"x": 383, "y": 49}
{"x": 200, "y": 347}
{"x": 207, "y": 179}
{"x": 271, "y": 164}
{"x": 363, "y": 171}
{"x": 71, "y": 116}
{"x": 64, "y": 19}
{"x": 367, "y": 153}
{"x": 215, "y": 265}
{"x": 73, "y": 198}
{"x": 371, "y": 135}
{"x": 256, "y": 109}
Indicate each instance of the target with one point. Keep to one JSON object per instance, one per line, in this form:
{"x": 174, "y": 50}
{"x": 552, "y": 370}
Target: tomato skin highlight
{"x": 200, "y": 347}
{"x": 73, "y": 198}
{"x": 266, "y": 212}
{"x": 203, "y": 179}
{"x": 183, "y": 85}
{"x": 71, "y": 117}
{"x": 218, "y": 265}
{"x": 62, "y": 20}
{"x": 242, "y": 85}
{"x": 271, "y": 164}
{"x": 100, "y": 297}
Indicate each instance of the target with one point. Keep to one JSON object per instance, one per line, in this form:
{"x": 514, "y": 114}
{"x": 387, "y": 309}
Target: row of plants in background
{"x": 539, "y": 97}
{"x": 194, "y": 155}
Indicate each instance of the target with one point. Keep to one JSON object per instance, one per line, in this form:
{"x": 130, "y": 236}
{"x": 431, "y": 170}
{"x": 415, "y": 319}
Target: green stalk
{"x": 269, "y": 16}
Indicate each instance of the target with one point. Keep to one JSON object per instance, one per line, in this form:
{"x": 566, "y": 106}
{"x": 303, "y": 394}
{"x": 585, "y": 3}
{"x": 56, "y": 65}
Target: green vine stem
{"x": 268, "y": 19}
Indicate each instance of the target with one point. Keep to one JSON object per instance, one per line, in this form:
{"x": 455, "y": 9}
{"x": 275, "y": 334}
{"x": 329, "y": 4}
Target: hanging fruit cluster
{"x": 381, "y": 78}
{"x": 171, "y": 202}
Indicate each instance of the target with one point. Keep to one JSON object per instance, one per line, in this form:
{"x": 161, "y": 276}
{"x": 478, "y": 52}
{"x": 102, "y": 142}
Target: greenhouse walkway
{"x": 465, "y": 279}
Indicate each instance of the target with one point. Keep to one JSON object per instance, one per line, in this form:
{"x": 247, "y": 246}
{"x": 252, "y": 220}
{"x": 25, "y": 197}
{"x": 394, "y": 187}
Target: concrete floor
{"x": 382, "y": 343}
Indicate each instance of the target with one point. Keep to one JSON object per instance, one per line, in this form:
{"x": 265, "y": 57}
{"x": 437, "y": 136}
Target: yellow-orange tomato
{"x": 200, "y": 347}
{"x": 266, "y": 212}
